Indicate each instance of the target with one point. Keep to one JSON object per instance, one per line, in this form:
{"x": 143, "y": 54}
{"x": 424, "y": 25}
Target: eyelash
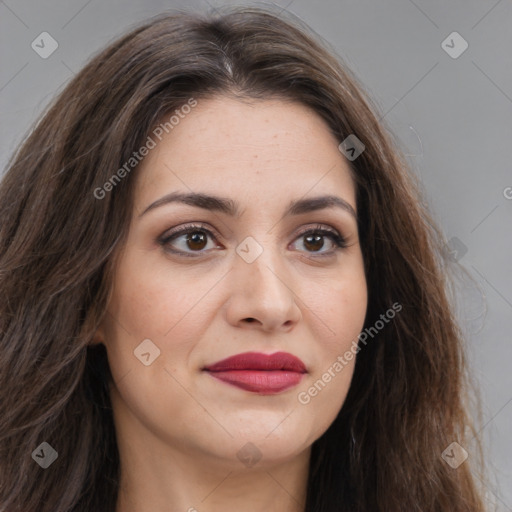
{"x": 338, "y": 240}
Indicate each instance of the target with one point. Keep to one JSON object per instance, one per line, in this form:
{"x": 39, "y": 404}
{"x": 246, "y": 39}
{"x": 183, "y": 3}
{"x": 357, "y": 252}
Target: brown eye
{"x": 187, "y": 240}
{"x": 196, "y": 240}
{"x": 314, "y": 241}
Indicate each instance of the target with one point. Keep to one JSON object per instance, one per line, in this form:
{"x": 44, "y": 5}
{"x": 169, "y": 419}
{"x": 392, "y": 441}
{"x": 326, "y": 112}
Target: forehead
{"x": 250, "y": 150}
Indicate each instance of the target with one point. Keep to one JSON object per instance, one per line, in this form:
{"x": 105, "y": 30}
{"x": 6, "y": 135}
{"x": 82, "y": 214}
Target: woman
{"x": 222, "y": 290}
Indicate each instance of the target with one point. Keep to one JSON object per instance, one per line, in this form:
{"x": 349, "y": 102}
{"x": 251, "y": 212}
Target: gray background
{"x": 452, "y": 117}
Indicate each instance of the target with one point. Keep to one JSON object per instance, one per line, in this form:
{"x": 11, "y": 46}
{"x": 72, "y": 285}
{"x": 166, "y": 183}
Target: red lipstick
{"x": 260, "y": 373}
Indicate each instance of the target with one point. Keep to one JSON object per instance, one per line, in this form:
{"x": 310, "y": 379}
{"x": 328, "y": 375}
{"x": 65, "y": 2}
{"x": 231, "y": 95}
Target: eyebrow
{"x": 232, "y": 208}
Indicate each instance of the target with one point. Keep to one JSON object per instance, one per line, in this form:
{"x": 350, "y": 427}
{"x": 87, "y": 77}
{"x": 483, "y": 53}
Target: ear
{"x": 99, "y": 337}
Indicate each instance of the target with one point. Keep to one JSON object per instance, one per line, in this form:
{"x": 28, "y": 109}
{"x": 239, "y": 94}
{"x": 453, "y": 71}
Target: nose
{"x": 262, "y": 295}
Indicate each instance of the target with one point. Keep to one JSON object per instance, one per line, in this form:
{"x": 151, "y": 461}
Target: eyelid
{"x": 183, "y": 228}
{"x": 318, "y": 227}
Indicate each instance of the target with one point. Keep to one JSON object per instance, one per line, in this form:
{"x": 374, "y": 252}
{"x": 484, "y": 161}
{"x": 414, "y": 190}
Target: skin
{"x": 178, "y": 428}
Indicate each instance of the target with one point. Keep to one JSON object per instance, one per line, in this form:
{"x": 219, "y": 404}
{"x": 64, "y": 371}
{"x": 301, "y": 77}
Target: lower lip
{"x": 260, "y": 381}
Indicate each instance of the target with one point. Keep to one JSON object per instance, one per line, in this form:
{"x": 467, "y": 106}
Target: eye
{"x": 313, "y": 240}
{"x": 194, "y": 237}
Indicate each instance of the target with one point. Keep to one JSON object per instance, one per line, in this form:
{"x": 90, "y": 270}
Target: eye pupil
{"x": 196, "y": 237}
{"x": 316, "y": 239}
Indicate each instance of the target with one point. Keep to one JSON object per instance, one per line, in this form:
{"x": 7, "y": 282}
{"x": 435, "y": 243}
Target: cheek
{"x": 341, "y": 308}
{"x": 147, "y": 304}
{"x": 154, "y": 299}
{"x": 346, "y": 317}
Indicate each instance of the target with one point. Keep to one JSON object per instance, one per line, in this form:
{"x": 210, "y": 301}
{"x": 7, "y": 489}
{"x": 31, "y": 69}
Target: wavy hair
{"x": 409, "y": 397}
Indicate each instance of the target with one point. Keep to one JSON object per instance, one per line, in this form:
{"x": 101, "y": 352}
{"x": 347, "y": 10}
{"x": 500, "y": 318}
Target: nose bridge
{"x": 262, "y": 284}
{"x": 262, "y": 262}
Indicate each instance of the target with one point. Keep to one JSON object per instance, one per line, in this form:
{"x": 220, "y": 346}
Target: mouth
{"x": 259, "y": 373}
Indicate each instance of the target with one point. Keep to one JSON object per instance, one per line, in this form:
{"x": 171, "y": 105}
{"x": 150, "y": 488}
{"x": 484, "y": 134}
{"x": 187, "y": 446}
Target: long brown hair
{"x": 408, "y": 399}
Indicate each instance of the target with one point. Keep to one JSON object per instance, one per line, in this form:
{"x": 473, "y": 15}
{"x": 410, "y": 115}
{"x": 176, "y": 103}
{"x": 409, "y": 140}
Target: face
{"x": 197, "y": 283}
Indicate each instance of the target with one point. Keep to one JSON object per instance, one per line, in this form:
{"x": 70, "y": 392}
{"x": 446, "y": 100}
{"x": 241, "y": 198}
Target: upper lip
{"x": 258, "y": 361}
